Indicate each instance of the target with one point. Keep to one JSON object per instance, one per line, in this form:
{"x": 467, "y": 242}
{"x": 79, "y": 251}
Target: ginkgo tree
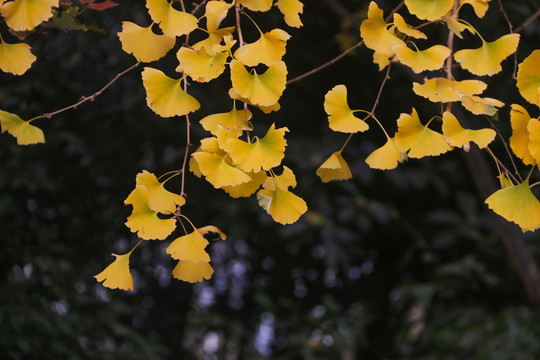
{"x": 233, "y": 159}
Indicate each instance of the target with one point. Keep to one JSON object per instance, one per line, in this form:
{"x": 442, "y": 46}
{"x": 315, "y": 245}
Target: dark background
{"x": 401, "y": 264}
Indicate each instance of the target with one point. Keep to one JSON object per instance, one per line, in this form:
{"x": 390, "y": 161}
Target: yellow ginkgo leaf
{"x": 480, "y": 6}
{"x": 217, "y": 42}
{"x": 481, "y": 106}
{"x": 21, "y": 15}
{"x": 528, "y": 78}
{"x": 486, "y": 60}
{"x": 143, "y": 220}
{"x": 218, "y": 172}
{"x": 216, "y": 11}
{"x": 264, "y": 89}
{"x": 457, "y": 26}
{"x": 517, "y": 204}
{"x": 265, "y": 109}
{"x": 284, "y": 206}
{"x": 192, "y": 272}
{"x": 212, "y": 229}
{"x": 286, "y": 180}
{"x": 534, "y": 139}
{"x": 224, "y": 134}
{"x": 374, "y": 30}
{"x": 519, "y": 141}
{"x": 229, "y": 120}
{"x": 25, "y": 133}
{"x": 117, "y": 275}
{"x": 457, "y": 136}
{"x": 200, "y": 65}
{"x": 159, "y": 199}
{"x": 291, "y": 10}
{"x": 15, "y": 58}
{"x": 171, "y": 21}
{"x": 444, "y": 90}
{"x": 264, "y": 153}
{"x": 430, "y": 59}
{"x": 417, "y": 138}
{"x": 334, "y": 168}
{"x": 190, "y": 248}
{"x": 249, "y": 188}
{"x": 386, "y": 157}
{"x": 429, "y": 9}
{"x": 267, "y": 50}
{"x": 143, "y": 43}
{"x": 165, "y": 96}
{"x": 340, "y": 116}
{"x": 256, "y": 5}
{"x": 406, "y": 29}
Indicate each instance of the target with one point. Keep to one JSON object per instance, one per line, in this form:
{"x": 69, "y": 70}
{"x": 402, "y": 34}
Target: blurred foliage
{"x": 391, "y": 265}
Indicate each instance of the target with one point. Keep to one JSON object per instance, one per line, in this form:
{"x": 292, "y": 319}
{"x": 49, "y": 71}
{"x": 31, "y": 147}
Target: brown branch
{"x": 386, "y": 77}
{"x": 198, "y": 6}
{"x": 528, "y": 21}
{"x": 506, "y": 147}
{"x": 94, "y": 95}
{"x": 342, "y": 55}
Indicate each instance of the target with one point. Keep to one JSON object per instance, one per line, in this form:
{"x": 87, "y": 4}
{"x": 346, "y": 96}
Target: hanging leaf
{"x": 200, "y": 65}
{"x": 430, "y": 59}
{"x": 143, "y": 43}
{"x": 457, "y": 136}
{"x": 218, "y": 172}
{"x": 192, "y": 272}
{"x": 386, "y": 157}
{"x": 444, "y": 90}
{"x": 334, "y": 168}
{"x": 528, "y": 78}
{"x": 216, "y": 11}
{"x": 264, "y": 89}
{"x": 22, "y": 15}
{"x": 189, "y": 248}
{"x": 486, "y": 60}
{"x": 269, "y": 49}
{"x": 429, "y": 9}
{"x": 25, "y": 133}
{"x": 117, "y": 275}
{"x": 159, "y": 199}
{"x": 171, "y": 21}
{"x": 165, "y": 96}
{"x": 406, "y": 29}
{"x": 229, "y": 120}
{"x": 256, "y": 5}
{"x": 340, "y": 116}
{"x": 291, "y": 10}
{"x": 519, "y": 141}
{"x": 15, "y": 58}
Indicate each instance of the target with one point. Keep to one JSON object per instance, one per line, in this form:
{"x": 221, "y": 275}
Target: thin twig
{"x": 198, "y": 6}
{"x": 94, "y": 95}
{"x": 386, "y": 77}
{"x": 506, "y": 147}
{"x": 528, "y": 21}
{"x": 342, "y": 55}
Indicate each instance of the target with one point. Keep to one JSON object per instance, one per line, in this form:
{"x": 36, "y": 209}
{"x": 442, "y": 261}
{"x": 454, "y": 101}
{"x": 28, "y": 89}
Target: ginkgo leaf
{"x": 386, "y": 157}
{"x": 457, "y": 136}
{"x": 457, "y": 26}
{"x": 340, "y": 116}
{"x": 218, "y": 172}
{"x": 286, "y": 180}
{"x": 25, "y": 133}
{"x": 212, "y": 229}
{"x": 284, "y": 206}
{"x": 224, "y": 134}
{"x": 143, "y": 220}
{"x": 334, "y": 168}
{"x": 216, "y": 11}
{"x": 481, "y": 106}
{"x": 486, "y": 60}
{"x": 264, "y": 89}
{"x": 430, "y": 59}
{"x": 15, "y": 58}
{"x": 417, "y": 138}
{"x": 256, "y": 5}
{"x": 267, "y": 50}
{"x": 229, "y": 120}
{"x": 291, "y": 10}
{"x": 480, "y": 6}
{"x": 143, "y": 43}
{"x": 200, "y": 65}
{"x": 264, "y": 153}
{"x": 249, "y": 188}
{"x": 171, "y": 21}
{"x": 534, "y": 139}
{"x": 21, "y": 15}
{"x": 444, "y": 90}
{"x": 117, "y": 275}
{"x": 519, "y": 141}
{"x": 192, "y": 272}
{"x": 429, "y": 9}
{"x": 265, "y": 109}
{"x": 528, "y": 78}
{"x": 376, "y": 34}
{"x": 406, "y": 29}
{"x": 159, "y": 199}
{"x": 517, "y": 204}
{"x": 218, "y": 41}
{"x": 165, "y": 95}
{"x": 190, "y": 248}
